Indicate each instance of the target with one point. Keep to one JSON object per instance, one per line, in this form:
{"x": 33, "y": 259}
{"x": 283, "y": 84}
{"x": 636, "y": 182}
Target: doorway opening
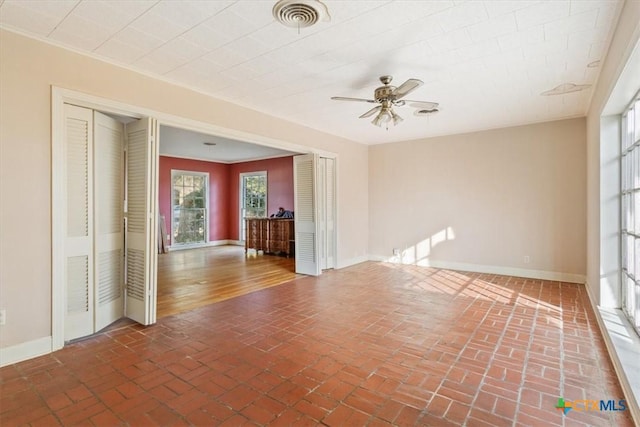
{"x": 140, "y": 249}
{"x": 104, "y": 239}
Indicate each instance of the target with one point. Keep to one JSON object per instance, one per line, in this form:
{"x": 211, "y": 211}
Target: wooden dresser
{"x": 271, "y": 235}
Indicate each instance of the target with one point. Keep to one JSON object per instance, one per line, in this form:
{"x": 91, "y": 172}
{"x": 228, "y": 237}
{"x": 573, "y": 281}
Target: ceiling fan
{"x": 390, "y": 96}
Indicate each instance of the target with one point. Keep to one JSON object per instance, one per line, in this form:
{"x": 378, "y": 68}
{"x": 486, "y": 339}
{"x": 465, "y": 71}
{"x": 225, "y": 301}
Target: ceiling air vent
{"x": 300, "y": 13}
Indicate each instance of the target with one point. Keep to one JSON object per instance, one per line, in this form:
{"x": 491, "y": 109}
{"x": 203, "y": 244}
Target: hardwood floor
{"x": 193, "y": 278}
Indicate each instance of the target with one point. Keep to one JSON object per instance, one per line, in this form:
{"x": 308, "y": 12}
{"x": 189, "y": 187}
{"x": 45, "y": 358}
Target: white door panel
{"x": 141, "y": 232}
{"x": 305, "y": 207}
{"x": 330, "y": 212}
{"x": 78, "y": 245}
{"x": 322, "y": 218}
{"x": 108, "y": 202}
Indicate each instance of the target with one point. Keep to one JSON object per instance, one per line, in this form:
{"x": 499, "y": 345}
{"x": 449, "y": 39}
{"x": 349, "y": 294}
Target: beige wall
{"x": 613, "y": 93}
{"x": 500, "y": 195}
{"x": 28, "y": 68}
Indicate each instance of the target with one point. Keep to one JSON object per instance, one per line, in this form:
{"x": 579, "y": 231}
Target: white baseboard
{"x": 27, "y": 350}
{"x": 352, "y": 261}
{"x": 206, "y": 245}
{"x": 489, "y": 269}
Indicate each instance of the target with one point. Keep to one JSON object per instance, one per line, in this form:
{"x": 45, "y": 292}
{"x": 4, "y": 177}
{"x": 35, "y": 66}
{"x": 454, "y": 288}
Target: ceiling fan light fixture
{"x": 387, "y": 97}
{"x": 380, "y": 119}
{"x": 386, "y": 116}
{"x": 396, "y": 118}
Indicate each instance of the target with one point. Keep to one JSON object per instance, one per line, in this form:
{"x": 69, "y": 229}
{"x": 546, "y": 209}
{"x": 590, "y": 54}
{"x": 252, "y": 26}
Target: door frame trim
{"x": 61, "y": 96}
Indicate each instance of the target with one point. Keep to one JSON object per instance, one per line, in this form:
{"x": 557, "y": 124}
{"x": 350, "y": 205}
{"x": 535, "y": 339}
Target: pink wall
{"x": 279, "y": 187}
{"x": 224, "y": 189}
{"x": 218, "y": 192}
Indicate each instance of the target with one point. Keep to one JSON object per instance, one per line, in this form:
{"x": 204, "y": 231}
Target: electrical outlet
{"x": 396, "y": 251}
{"x": 527, "y": 259}
{"x": 3, "y": 317}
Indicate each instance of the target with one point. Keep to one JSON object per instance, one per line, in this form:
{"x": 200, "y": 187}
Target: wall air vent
{"x": 300, "y": 13}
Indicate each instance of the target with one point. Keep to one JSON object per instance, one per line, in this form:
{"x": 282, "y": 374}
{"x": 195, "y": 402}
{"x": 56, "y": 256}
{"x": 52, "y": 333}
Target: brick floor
{"x": 374, "y": 344}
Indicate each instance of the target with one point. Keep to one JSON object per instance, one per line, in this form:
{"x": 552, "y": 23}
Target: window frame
{"x": 205, "y": 176}
{"x": 241, "y": 198}
{"x": 630, "y": 212}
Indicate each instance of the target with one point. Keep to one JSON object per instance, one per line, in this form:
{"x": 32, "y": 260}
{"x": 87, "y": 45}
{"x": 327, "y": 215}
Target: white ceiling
{"x": 189, "y": 144}
{"x": 485, "y": 62}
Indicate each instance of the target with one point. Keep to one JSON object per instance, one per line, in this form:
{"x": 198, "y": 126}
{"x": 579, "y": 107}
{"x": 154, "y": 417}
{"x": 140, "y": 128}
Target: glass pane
{"x": 623, "y": 252}
{"x": 255, "y": 195}
{"x": 628, "y": 131}
{"x": 631, "y": 169}
{"x": 630, "y": 299}
{"x": 634, "y": 215}
{"x": 631, "y": 296}
{"x": 636, "y": 306}
{"x": 190, "y": 226}
{"x": 630, "y": 254}
{"x": 628, "y": 182}
{"x": 635, "y": 112}
{"x": 636, "y": 258}
{"x": 624, "y": 220}
{"x": 624, "y": 165}
{"x": 176, "y": 197}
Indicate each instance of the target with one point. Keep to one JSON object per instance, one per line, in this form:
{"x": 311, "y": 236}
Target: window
{"x": 630, "y": 212}
{"x": 189, "y": 207}
{"x": 253, "y": 198}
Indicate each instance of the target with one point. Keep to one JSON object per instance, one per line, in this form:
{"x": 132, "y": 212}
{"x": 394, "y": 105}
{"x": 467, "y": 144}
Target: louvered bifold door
{"x": 305, "y": 214}
{"x": 141, "y": 233}
{"x": 78, "y": 246}
{"x": 330, "y": 211}
{"x": 322, "y": 213}
{"x": 108, "y": 150}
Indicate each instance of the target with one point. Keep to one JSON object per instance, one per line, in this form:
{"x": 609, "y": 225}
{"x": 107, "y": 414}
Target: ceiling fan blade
{"x": 425, "y": 113}
{"x": 371, "y": 112}
{"x": 344, "y": 98}
{"x": 406, "y": 87}
{"x": 423, "y": 105}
